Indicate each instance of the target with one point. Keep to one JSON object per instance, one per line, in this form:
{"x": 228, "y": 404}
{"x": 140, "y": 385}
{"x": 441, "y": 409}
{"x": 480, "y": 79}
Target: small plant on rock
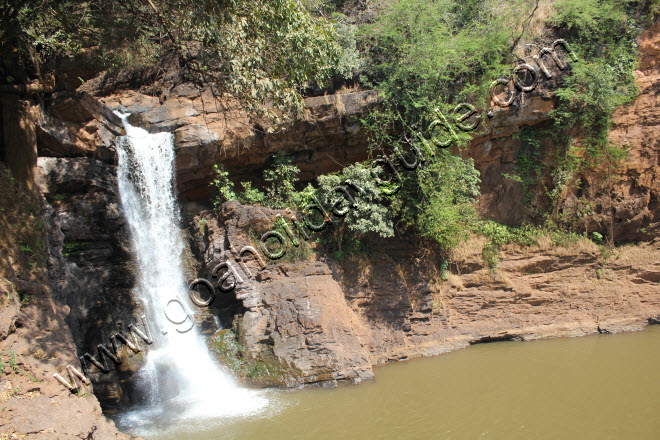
{"x": 224, "y": 186}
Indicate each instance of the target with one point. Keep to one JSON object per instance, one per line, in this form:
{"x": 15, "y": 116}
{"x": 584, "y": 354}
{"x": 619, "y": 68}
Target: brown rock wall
{"x": 328, "y": 322}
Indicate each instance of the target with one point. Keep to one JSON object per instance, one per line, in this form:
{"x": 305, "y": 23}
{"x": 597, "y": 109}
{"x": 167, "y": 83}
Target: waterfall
{"x": 179, "y": 376}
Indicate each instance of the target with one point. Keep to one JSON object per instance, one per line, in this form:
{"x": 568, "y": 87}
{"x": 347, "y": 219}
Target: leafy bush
{"x": 490, "y": 256}
{"x": 250, "y": 195}
{"x": 500, "y": 235}
{"x": 426, "y": 54}
{"x": 349, "y": 61}
{"x": 369, "y": 214}
{"x": 281, "y": 177}
{"x": 438, "y": 198}
{"x": 449, "y": 188}
{"x": 224, "y": 187}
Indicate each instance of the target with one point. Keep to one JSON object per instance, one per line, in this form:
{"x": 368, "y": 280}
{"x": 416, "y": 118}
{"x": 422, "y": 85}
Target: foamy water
{"x": 180, "y": 378}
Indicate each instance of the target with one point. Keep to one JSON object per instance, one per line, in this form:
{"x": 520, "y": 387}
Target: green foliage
{"x": 369, "y": 213}
{"x": 224, "y": 187}
{"x": 489, "y": 254}
{"x": 258, "y": 51}
{"x": 281, "y": 177}
{"x": 597, "y": 237}
{"x": 349, "y": 61}
{"x": 250, "y": 195}
{"x": 305, "y": 197}
{"x": 500, "y": 235}
{"x": 425, "y": 54}
{"x": 12, "y": 362}
{"x": 448, "y": 187}
{"x": 563, "y": 238}
{"x": 294, "y": 254}
{"x": 34, "y": 33}
{"x": 231, "y": 352}
{"x": 605, "y": 39}
{"x": 653, "y": 10}
{"x": 75, "y": 247}
{"x": 529, "y": 163}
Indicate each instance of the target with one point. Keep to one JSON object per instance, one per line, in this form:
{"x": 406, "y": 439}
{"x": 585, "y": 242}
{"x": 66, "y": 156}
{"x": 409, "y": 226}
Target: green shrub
{"x": 281, "y": 177}
{"x": 489, "y": 254}
{"x": 349, "y": 61}
{"x": 224, "y": 187}
{"x": 369, "y": 214}
{"x": 250, "y": 195}
{"x": 448, "y": 188}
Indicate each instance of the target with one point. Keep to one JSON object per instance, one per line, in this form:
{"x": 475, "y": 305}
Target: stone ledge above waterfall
{"x": 74, "y": 124}
{"x": 209, "y": 131}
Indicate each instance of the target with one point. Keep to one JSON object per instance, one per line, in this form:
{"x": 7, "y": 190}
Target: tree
{"x": 257, "y": 51}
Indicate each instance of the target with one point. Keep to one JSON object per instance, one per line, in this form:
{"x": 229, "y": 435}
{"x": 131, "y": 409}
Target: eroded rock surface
{"x": 35, "y": 339}
{"x": 632, "y": 193}
{"x": 208, "y": 131}
{"x": 328, "y": 322}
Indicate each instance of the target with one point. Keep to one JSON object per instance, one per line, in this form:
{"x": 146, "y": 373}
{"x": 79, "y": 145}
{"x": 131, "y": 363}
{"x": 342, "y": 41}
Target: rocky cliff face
{"x": 637, "y": 206}
{"x": 318, "y": 320}
{"x": 326, "y": 322}
{"x": 634, "y": 195}
{"x": 293, "y": 316}
{"x": 208, "y": 131}
{"x": 35, "y": 339}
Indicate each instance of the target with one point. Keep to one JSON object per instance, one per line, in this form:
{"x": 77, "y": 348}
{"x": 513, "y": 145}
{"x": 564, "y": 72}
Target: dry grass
{"x": 568, "y": 247}
{"x": 638, "y": 255}
{"x": 455, "y": 282}
{"x": 545, "y": 11}
{"x": 526, "y": 18}
{"x": 345, "y": 90}
{"x": 339, "y": 105}
{"x": 468, "y": 249}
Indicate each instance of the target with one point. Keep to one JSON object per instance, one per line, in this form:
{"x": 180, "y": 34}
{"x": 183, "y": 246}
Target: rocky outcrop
{"x": 209, "y": 130}
{"x": 293, "y": 316}
{"x": 36, "y": 344}
{"x": 326, "y": 322}
{"x": 539, "y": 292}
{"x": 631, "y": 193}
{"x": 35, "y": 340}
{"x": 637, "y": 190}
{"x": 74, "y": 124}
{"x": 89, "y": 260}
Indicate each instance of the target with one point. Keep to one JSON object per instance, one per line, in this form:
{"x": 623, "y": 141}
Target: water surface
{"x": 597, "y": 387}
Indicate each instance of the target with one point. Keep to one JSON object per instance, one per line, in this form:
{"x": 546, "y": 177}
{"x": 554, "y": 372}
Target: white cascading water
{"x": 179, "y": 376}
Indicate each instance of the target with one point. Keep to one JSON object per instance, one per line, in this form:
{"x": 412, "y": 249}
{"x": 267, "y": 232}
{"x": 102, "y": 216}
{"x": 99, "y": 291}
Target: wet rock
{"x": 90, "y": 264}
